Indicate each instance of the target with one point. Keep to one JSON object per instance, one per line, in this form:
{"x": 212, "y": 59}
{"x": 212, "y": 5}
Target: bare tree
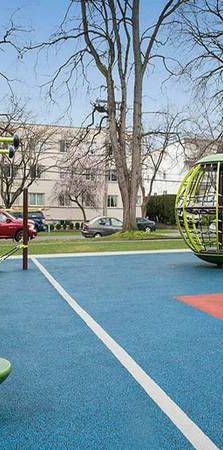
{"x": 169, "y": 129}
{"x": 9, "y": 40}
{"x": 201, "y": 24}
{"x": 80, "y": 186}
{"x": 108, "y": 38}
{"x": 82, "y": 172}
{"x": 204, "y": 134}
{"x": 30, "y": 161}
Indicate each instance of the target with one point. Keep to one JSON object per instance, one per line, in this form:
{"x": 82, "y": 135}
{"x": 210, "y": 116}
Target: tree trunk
{"x": 81, "y": 208}
{"x": 117, "y": 139}
{"x": 137, "y": 117}
{"x": 144, "y": 207}
{"x": 83, "y": 211}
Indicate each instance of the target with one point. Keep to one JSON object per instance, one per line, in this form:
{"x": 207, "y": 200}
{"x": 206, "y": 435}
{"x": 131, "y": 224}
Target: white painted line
{"x": 127, "y": 252}
{"x": 187, "y": 427}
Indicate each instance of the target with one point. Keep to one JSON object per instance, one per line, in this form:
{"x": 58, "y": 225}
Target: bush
{"x": 58, "y": 226}
{"x": 52, "y": 227}
{"x": 77, "y": 226}
{"x": 161, "y": 208}
{"x": 71, "y": 226}
{"x": 65, "y": 224}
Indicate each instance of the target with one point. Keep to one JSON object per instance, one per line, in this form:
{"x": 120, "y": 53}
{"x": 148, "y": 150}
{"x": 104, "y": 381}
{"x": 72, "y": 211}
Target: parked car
{"x": 101, "y": 226}
{"x": 36, "y": 216}
{"x": 145, "y": 224}
{"x": 11, "y": 228}
{"x": 212, "y": 227}
{"x": 191, "y": 220}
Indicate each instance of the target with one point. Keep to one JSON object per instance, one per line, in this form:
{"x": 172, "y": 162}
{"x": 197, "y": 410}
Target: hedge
{"x": 161, "y": 208}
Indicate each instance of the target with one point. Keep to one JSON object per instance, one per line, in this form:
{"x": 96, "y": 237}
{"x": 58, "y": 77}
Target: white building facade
{"x": 170, "y": 173}
{"x": 57, "y": 146}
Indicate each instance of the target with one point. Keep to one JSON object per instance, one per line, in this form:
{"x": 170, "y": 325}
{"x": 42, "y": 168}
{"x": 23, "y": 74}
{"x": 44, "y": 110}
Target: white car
{"x": 212, "y": 228}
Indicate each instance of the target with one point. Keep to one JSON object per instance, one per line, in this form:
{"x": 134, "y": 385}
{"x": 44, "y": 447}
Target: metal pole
{"x": 220, "y": 209}
{"x": 25, "y": 230}
{"x": 105, "y": 193}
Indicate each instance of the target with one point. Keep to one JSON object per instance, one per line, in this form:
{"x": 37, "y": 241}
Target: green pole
{"x": 14, "y": 140}
{"x": 6, "y": 140}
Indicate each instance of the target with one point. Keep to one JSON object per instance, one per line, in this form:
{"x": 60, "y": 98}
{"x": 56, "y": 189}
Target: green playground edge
{"x": 5, "y": 369}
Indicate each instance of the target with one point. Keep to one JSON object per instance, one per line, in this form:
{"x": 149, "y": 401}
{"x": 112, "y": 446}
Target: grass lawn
{"x": 60, "y": 233}
{"x": 67, "y": 245}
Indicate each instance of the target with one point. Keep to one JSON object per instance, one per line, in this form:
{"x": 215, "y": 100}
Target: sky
{"x": 39, "y": 18}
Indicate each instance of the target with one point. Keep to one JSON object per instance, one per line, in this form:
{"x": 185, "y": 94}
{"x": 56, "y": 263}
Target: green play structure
{"x": 5, "y": 369}
{"x": 11, "y": 145}
{"x": 199, "y": 208}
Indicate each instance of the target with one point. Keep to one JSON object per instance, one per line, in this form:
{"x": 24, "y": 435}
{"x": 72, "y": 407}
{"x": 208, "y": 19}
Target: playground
{"x": 111, "y": 351}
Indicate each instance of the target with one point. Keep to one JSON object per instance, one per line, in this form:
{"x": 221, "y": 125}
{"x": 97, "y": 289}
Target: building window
{"x": 88, "y": 200}
{"x": 92, "y": 148}
{"x": 36, "y": 171}
{"x": 37, "y": 147}
{"x": 90, "y": 174}
{"x": 36, "y": 199}
{"x": 32, "y": 145}
{"x": 9, "y": 170}
{"x": 16, "y": 201}
{"x": 112, "y": 201}
{"x": 111, "y": 175}
{"x": 63, "y": 173}
{"x": 138, "y": 200}
{"x": 64, "y": 145}
{"x": 109, "y": 150}
{"x": 6, "y": 169}
{"x": 64, "y": 199}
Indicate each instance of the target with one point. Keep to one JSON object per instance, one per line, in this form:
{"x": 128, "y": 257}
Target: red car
{"x": 11, "y": 228}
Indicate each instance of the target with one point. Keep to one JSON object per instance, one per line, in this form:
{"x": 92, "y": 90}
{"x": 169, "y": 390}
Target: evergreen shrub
{"x": 161, "y": 208}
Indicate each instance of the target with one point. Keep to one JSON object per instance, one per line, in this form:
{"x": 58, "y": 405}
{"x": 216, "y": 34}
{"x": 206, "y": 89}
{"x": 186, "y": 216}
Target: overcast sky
{"x": 41, "y": 17}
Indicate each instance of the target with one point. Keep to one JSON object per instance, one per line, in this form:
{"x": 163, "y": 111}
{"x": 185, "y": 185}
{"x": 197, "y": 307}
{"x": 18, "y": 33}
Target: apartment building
{"x": 52, "y": 150}
{"x": 49, "y": 151}
{"x": 173, "y": 166}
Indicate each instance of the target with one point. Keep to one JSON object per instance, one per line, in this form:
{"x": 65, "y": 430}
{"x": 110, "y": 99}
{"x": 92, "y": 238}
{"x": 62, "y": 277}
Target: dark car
{"x": 36, "y": 216}
{"x": 12, "y": 228}
{"x": 39, "y": 220}
{"x": 101, "y": 226}
{"x": 145, "y": 224}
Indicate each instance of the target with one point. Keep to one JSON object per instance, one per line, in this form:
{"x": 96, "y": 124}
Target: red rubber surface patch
{"x": 209, "y": 303}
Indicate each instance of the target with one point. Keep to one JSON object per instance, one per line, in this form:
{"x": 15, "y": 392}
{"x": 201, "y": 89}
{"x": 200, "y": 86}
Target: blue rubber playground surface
{"x": 105, "y": 357}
